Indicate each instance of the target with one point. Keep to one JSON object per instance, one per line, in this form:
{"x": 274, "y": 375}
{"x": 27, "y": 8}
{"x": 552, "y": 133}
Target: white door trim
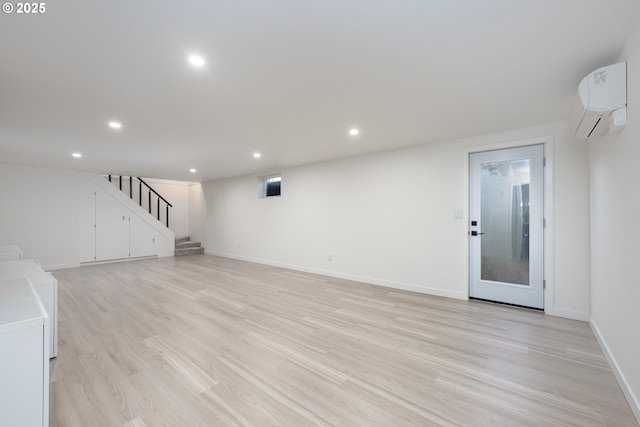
{"x": 548, "y": 210}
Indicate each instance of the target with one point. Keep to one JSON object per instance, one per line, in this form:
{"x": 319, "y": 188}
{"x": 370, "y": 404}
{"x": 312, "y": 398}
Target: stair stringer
{"x": 135, "y": 209}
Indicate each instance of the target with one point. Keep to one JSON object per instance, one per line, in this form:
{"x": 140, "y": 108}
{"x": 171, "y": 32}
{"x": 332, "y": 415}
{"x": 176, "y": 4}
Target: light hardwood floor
{"x": 208, "y": 341}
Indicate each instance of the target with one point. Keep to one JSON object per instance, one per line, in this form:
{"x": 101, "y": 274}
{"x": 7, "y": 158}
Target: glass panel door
{"x": 506, "y": 225}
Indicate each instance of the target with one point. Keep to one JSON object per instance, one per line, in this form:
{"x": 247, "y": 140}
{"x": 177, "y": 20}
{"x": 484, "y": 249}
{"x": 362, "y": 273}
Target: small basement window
{"x": 271, "y": 185}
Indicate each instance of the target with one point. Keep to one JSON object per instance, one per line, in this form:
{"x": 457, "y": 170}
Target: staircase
{"x": 126, "y": 185}
{"x": 184, "y": 246}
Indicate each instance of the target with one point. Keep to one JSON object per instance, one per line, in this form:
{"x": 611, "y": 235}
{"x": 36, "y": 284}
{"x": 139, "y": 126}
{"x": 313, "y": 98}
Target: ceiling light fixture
{"x": 196, "y": 60}
{"x": 76, "y": 155}
{"x": 257, "y": 155}
{"x": 115, "y": 125}
{"x": 354, "y": 132}
{"x": 192, "y": 170}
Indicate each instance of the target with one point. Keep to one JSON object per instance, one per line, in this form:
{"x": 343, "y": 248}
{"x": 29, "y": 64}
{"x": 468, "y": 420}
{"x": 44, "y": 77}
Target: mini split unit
{"x": 602, "y": 102}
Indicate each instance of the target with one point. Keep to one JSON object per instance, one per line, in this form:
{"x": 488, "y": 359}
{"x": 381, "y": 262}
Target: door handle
{"x": 475, "y": 233}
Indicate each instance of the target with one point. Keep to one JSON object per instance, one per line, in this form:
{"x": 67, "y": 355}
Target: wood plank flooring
{"x": 208, "y": 341}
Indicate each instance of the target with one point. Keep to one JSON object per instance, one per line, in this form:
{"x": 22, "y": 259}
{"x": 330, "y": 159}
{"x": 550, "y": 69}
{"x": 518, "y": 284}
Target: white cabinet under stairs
{"x": 143, "y": 240}
{"x": 115, "y": 228}
{"x": 112, "y": 228}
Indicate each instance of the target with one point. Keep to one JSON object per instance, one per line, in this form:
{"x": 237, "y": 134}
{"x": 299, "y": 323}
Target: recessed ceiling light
{"x": 353, "y": 132}
{"x": 192, "y": 170}
{"x": 196, "y": 60}
{"x": 257, "y": 155}
{"x": 115, "y": 125}
{"x": 76, "y": 155}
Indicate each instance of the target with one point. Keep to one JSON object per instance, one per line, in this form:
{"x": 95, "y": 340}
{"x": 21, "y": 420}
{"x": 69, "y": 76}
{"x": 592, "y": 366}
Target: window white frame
{"x": 263, "y": 184}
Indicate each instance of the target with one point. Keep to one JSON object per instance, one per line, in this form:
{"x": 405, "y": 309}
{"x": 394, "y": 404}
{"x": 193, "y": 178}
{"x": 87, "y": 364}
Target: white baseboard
{"x": 111, "y": 261}
{"x": 60, "y": 266}
{"x": 633, "y": 400}
{"x": 570, "y": 314}
{"x": 355, "y": 278}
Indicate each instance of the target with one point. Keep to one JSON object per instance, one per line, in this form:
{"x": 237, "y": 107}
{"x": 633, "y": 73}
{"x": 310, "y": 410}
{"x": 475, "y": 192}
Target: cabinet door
{"x": 143, "y": 238}
{"x": 87, "y": 224}
{"x": 112, "y": 228}
{"x": 21, "y": 376}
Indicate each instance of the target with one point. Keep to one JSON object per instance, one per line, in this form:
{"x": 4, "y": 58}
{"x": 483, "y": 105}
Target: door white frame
{"x": 547, "y": 141}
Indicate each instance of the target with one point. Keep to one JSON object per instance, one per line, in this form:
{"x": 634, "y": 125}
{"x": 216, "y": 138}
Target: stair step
{"x": 189, "y": 251}
{"x": 186, "y": 245}
{"x": 182, "y": 239}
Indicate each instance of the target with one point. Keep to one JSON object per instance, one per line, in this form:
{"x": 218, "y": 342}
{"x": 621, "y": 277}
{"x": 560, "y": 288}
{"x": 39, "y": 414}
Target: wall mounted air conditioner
{"x": 602, "y": 102}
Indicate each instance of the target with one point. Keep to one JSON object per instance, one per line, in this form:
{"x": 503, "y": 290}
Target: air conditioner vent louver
{"x": 600, "y": 94}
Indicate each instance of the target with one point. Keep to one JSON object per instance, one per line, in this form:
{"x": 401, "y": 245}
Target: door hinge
{"x": 544, "y": 222}
{"x": 544, "y": 161}
{"x": 544, "y": 284}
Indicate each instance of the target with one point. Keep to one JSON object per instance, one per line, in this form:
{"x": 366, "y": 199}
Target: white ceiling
{"x": 286, "y": 78}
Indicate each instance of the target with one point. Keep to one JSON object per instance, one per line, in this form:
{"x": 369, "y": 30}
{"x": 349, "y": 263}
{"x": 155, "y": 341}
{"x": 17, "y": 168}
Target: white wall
{"x": 40, "y": 212}
{"x": 197, "y": 213}
{"x": 615, "y": 236}
{"x": 571, "y": 228}
{"x": 388, "y": 218}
